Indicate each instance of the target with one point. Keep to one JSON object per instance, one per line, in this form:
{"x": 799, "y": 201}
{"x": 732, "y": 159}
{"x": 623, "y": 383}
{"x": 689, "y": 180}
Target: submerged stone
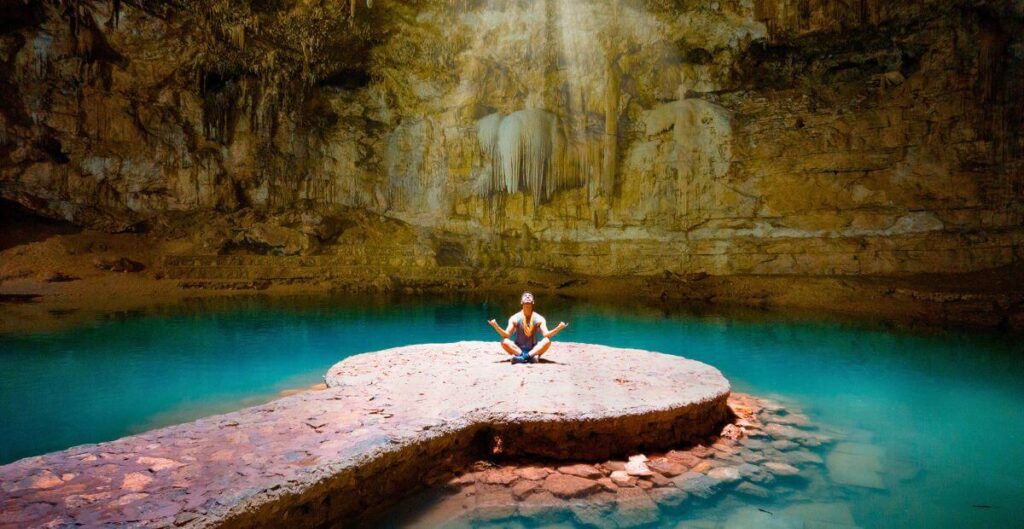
{"x": 593, "y": 512}
{"x": 725, "y": 474}
{"x": 755, "y": 473}
{"x": 784, "y": 444}
{"x": 796, "y": 457}
{"x": 857, "y": 465}
{"x": 634, "y": 507}
{"x": 750, "y": 489}
{"x": 668, "y": 496}
{"x": 740, "y": 481}
{"x": 495, "y": 503}
{"x": 696, "y": 484}
{"x": 542, "y": 506}
{"x": 658, "y": 480}
{"x": 781, "y": 469}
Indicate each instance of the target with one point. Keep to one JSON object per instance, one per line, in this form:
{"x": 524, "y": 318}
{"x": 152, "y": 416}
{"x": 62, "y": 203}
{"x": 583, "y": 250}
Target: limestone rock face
{"x": 591, "y": 137}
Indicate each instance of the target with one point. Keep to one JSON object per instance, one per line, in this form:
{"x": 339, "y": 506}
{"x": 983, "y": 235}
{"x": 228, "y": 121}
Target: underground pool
{"x": 931, "y": 418}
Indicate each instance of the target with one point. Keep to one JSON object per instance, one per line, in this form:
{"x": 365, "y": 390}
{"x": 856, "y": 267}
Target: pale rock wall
{"x": 868, "y": 160}
{"x": 765, "y": 137}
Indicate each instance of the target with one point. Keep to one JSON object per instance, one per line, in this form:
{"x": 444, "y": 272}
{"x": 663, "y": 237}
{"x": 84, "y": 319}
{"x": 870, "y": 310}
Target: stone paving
{"x": 388, "y": 423}
{"x": 764, "y": 446}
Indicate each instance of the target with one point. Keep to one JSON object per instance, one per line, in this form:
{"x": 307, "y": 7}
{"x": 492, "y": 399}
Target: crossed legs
{"x": 539, "y": 348}
{"x": 510, "y": 347}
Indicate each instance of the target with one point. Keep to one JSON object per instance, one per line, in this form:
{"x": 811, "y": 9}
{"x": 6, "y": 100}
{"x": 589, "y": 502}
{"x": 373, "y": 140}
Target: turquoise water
{"x": 943, "y": 409}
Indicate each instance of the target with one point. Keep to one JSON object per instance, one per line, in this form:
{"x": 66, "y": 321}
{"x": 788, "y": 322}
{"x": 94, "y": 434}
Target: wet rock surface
{"x": 388, "y": 423}
{"x": 732, "y": 481}
{"x": 625, "y": 491}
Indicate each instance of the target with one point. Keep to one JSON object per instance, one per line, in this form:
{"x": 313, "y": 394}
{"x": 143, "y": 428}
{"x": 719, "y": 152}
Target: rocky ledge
{"x": 388, "y": 423}
{"x": 768, "y": 451}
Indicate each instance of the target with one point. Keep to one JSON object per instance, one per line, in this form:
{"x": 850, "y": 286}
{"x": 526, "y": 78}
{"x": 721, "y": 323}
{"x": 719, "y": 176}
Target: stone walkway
{"x": 389, "y": 422}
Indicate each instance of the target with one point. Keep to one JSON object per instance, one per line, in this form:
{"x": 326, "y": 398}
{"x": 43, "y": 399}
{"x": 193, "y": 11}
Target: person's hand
{"x": 492, "y": 322}
{"x": 562, "y": 324}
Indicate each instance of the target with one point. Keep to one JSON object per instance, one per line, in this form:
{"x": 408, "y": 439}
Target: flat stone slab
{"x": 390, "y": 421}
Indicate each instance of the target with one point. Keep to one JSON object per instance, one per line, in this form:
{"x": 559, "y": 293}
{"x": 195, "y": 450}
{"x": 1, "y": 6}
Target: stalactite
{"x": 115, "y": 13}
{"x": 487, "y": 134}
{"x": 73, "y": 10}
{"x": 611, "y": 127}
{"x": 764, "y": 11}
{"x": 236, "y": 34}
{"x": 527, "y": 150}
{"x": 530, "y": 150}
{"x": 41, "y": 46}
{"x": 219, "y": 104}
{"x": 611, "y": 104}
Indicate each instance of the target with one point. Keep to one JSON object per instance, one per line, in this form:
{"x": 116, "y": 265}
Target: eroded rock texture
{"x": 613, "y": 137}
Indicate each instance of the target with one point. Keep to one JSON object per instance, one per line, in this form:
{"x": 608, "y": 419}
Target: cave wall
{"x": 603, "y": 137}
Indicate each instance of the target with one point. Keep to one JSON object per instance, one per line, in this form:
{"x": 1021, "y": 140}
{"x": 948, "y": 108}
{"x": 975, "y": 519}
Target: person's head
{"x": 526, "y": 301}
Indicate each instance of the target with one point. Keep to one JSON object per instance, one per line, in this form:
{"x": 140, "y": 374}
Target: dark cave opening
{"x": 346, "y": 79}
{"x": 20, "y": 225}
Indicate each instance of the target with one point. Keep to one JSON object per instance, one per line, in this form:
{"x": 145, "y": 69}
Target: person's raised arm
{"x": 550, "y": 334}
{"x": 505, "y": 333}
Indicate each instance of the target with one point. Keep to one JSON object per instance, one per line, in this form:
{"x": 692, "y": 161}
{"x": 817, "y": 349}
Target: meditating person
{"x": 527, "y": 326}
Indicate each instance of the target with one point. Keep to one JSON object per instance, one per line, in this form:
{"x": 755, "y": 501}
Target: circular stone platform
{"x": 389, "y": 422}
{"x": 583, "y": 401}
